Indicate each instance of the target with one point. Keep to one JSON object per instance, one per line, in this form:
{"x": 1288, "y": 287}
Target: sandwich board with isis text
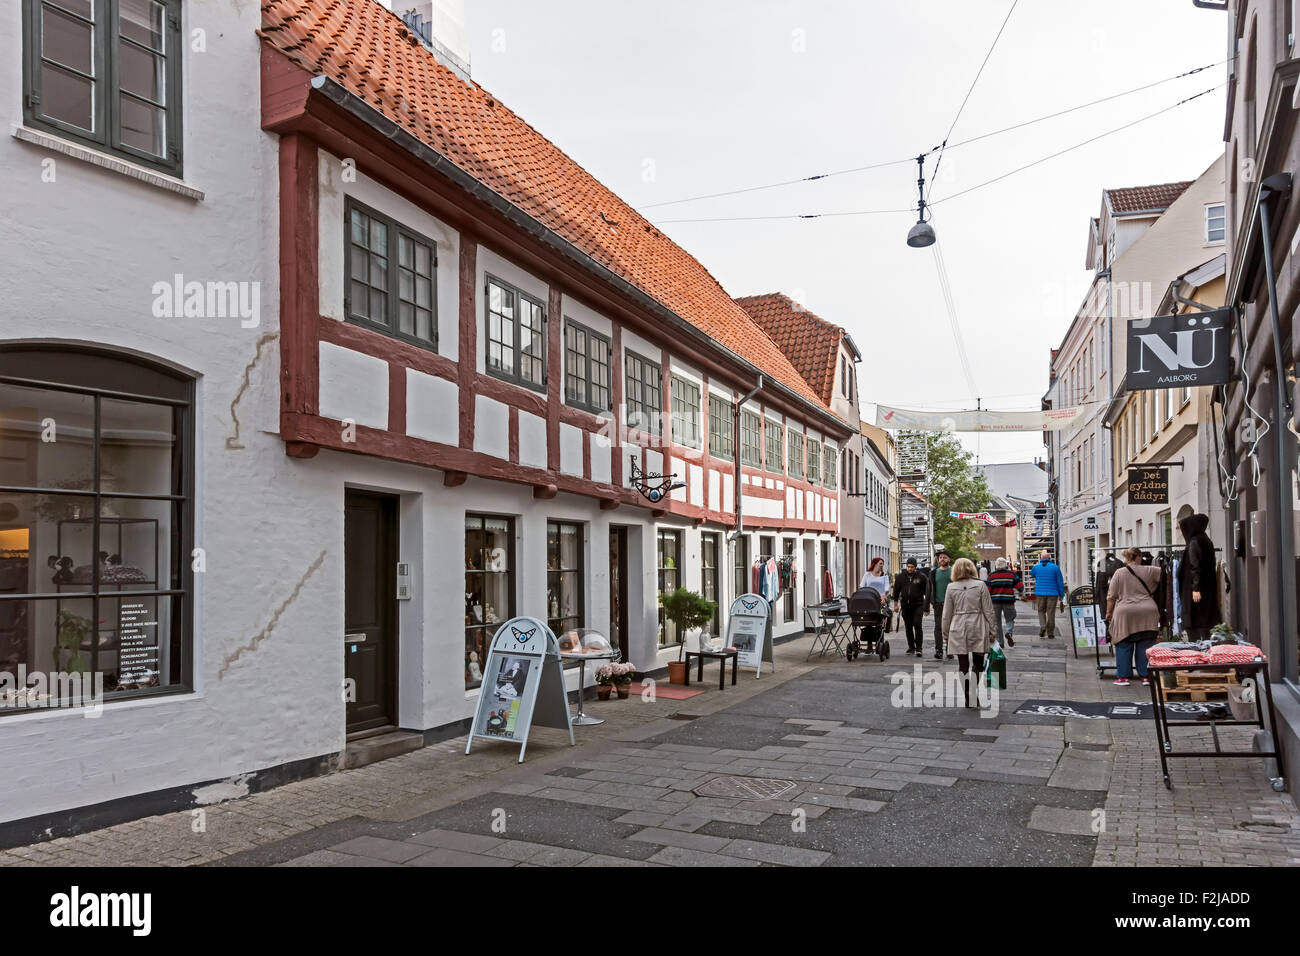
{"x": 749, "y": 630}
{"x": 523, "y": 685}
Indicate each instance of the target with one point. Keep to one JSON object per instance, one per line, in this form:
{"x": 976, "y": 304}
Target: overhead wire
{"x": 945, "y": 287}
{"x": 951, "y": 196}
{"x": 908, "y": 160}
{"x": 971, "y": 89}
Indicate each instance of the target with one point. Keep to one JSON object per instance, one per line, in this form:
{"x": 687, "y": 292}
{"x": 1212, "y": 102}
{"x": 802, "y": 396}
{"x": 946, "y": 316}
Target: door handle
{"x": 354, "y": 638}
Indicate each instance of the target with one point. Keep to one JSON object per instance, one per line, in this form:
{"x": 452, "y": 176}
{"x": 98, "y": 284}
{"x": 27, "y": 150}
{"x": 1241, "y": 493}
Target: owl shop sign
{"x": 1179, "y": 351}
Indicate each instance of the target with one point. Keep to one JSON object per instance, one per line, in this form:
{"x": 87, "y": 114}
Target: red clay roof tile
{"x": 370, "y": 52}
{"x": 1143, "y": 198}
{"x": 810, "y": 342}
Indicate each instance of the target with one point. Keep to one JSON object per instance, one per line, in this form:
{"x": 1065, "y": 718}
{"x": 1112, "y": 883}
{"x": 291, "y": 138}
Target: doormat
{"x": 1101, "y": 710}
{"x": 668, "y": 691}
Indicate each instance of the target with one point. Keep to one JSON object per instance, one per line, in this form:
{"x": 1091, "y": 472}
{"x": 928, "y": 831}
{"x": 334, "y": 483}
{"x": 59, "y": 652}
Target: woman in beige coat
{"x": 968, "y": 620}
{"x": 1132, "y": 614}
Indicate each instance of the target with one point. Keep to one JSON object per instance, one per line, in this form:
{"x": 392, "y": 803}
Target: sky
{"x": 676, "y": 99}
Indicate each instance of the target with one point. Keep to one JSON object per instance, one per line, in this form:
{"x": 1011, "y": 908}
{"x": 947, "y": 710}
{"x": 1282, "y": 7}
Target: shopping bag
{"x": 996, "y": 664}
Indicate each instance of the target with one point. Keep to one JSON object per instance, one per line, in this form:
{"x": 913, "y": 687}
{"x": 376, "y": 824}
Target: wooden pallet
{"x": 1192, "y": 680}
{"x": 1205, "y": 692}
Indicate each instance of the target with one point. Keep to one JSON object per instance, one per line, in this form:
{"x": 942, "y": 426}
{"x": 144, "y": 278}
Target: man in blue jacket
{"x": 1049, "y": 591}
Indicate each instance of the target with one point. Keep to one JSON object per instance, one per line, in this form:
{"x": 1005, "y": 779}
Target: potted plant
{"x": 622, "y": 675}
{"x": 74, "y": 630}
{"x": 604, "y": 681}
{"x": 688, "y": 611}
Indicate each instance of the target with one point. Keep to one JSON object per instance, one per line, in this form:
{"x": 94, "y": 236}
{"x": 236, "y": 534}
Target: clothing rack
{"x": 1164, "y": 554}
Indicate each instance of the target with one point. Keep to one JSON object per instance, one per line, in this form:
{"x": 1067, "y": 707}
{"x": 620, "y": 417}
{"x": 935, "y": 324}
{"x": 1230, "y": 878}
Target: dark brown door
{"x": 370, "y": 609}
{"x": 618, "y": 589}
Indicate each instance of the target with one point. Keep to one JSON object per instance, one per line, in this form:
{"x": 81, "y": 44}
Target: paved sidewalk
{"x": 817, "y": 764}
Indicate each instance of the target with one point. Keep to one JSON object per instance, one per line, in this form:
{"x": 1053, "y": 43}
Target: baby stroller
{"x": 868, "y": 621}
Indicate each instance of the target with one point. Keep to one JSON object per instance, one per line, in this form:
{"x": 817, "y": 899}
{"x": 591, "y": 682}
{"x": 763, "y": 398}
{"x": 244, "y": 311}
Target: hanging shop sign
{"x": 749, "y": 631}
{"x": 984, "y": 420}
{"x": 1148, "y": 486}
{"x": 523, "y": 685}
{"x": 1090, "y": 523}
{"x": 1183, "y": 351}
{"x": 654, "y": 488}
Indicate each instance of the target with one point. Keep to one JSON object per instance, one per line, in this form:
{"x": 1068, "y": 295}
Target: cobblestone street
{"x": 810, "y": 766}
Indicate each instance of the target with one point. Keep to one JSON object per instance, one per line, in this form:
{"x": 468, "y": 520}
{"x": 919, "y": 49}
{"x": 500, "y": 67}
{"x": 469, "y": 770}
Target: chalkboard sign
{"x": 749, "y": 631}
{"x": 523, "y": 684}
{"x": 1148, "y": 486}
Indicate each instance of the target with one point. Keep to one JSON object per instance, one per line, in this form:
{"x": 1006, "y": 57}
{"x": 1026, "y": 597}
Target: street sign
{"x": 749, "y": 631}
{"x": 1183, "y": 351}
{"x": 1148, "y": 486}
{"x": 523, "y": 684}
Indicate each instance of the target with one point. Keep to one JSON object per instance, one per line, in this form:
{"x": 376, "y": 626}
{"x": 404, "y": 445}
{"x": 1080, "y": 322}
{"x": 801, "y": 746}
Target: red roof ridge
{"x": 351, "y": 44}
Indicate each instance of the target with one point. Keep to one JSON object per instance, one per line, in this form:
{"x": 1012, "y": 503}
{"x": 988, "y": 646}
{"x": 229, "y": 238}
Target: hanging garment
{"x": 1178, "y": 600}
{"x": 828, "y": 585}
{"x": 755, "y": 577}
{"x": 771, "y": 588}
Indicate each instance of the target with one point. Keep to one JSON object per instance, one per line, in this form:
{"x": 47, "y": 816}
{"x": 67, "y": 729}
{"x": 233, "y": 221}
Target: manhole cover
{"x": 753, "y": 788}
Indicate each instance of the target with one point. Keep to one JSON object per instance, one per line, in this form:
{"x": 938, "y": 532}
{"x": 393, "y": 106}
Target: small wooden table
{"x": 722, "y": 655}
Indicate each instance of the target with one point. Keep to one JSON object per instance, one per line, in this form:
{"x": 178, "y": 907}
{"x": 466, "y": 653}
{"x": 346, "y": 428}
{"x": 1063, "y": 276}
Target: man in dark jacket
{"x": 912, "y": 598}
{"x": 940, "y": 578}
{"x": 1198, "y": 584}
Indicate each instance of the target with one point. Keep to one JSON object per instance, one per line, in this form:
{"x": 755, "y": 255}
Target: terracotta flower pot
{"x": 602, "y": 691}
{"x": 623, "y": 690}
{"x": 677, "y": 672}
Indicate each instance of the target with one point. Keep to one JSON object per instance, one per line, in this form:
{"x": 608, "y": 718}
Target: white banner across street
{"x": 983, "y": 420}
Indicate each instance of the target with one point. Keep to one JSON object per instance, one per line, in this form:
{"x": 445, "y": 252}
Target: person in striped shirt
{"x": 1004, "y": 588}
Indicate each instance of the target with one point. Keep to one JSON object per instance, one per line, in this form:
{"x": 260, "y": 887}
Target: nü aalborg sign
{"x": 1179, "y": 351}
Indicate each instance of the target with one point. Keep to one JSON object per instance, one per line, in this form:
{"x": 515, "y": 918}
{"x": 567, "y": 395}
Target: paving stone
{"x": 687, "y": 841}
{"x": 682, "y": 856}
{"x": 377, "y": 848}
{"x": 774, "y": 853}
{"x": 441, "y": 856}
{"x": 456, "y": 840}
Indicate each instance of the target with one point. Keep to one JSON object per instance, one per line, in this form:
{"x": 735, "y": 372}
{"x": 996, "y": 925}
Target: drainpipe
{"x": 733, "y": 536}
{"x": 1279, "y": 185}
{"x": 1110, "y": 395}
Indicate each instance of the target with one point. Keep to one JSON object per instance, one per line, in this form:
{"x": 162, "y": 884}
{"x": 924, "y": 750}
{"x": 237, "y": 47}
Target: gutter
{"x": 363, "y": 111}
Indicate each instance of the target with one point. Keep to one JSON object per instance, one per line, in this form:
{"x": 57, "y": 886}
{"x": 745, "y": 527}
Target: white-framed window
{"x": 1214, "y": 222}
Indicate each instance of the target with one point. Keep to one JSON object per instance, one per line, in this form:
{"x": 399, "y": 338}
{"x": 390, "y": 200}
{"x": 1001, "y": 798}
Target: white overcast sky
{"x": 718, "y": 95}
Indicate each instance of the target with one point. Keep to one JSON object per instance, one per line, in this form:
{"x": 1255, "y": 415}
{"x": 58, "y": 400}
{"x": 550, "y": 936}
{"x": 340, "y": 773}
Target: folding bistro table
{"x": 1257, "y": 671}
{"x": 831, "y": 628}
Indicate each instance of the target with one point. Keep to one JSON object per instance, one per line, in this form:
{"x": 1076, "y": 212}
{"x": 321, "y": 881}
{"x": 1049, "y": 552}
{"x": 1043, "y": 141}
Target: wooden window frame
{"x": 396, "y": 232}
{"x": 514, "y": 378}
{"x": 106, "y": 80}
{"x": 590, "y": 362}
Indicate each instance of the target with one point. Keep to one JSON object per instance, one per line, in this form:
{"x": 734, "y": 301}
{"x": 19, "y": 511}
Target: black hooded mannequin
{"x": 1198, "y": 584}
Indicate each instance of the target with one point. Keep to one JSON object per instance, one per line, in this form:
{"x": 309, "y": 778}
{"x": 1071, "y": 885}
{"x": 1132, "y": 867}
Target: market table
{"x": 722, "y": 655}
{"x": 831, "y": 628}
{"x": 1253, "y": 669}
